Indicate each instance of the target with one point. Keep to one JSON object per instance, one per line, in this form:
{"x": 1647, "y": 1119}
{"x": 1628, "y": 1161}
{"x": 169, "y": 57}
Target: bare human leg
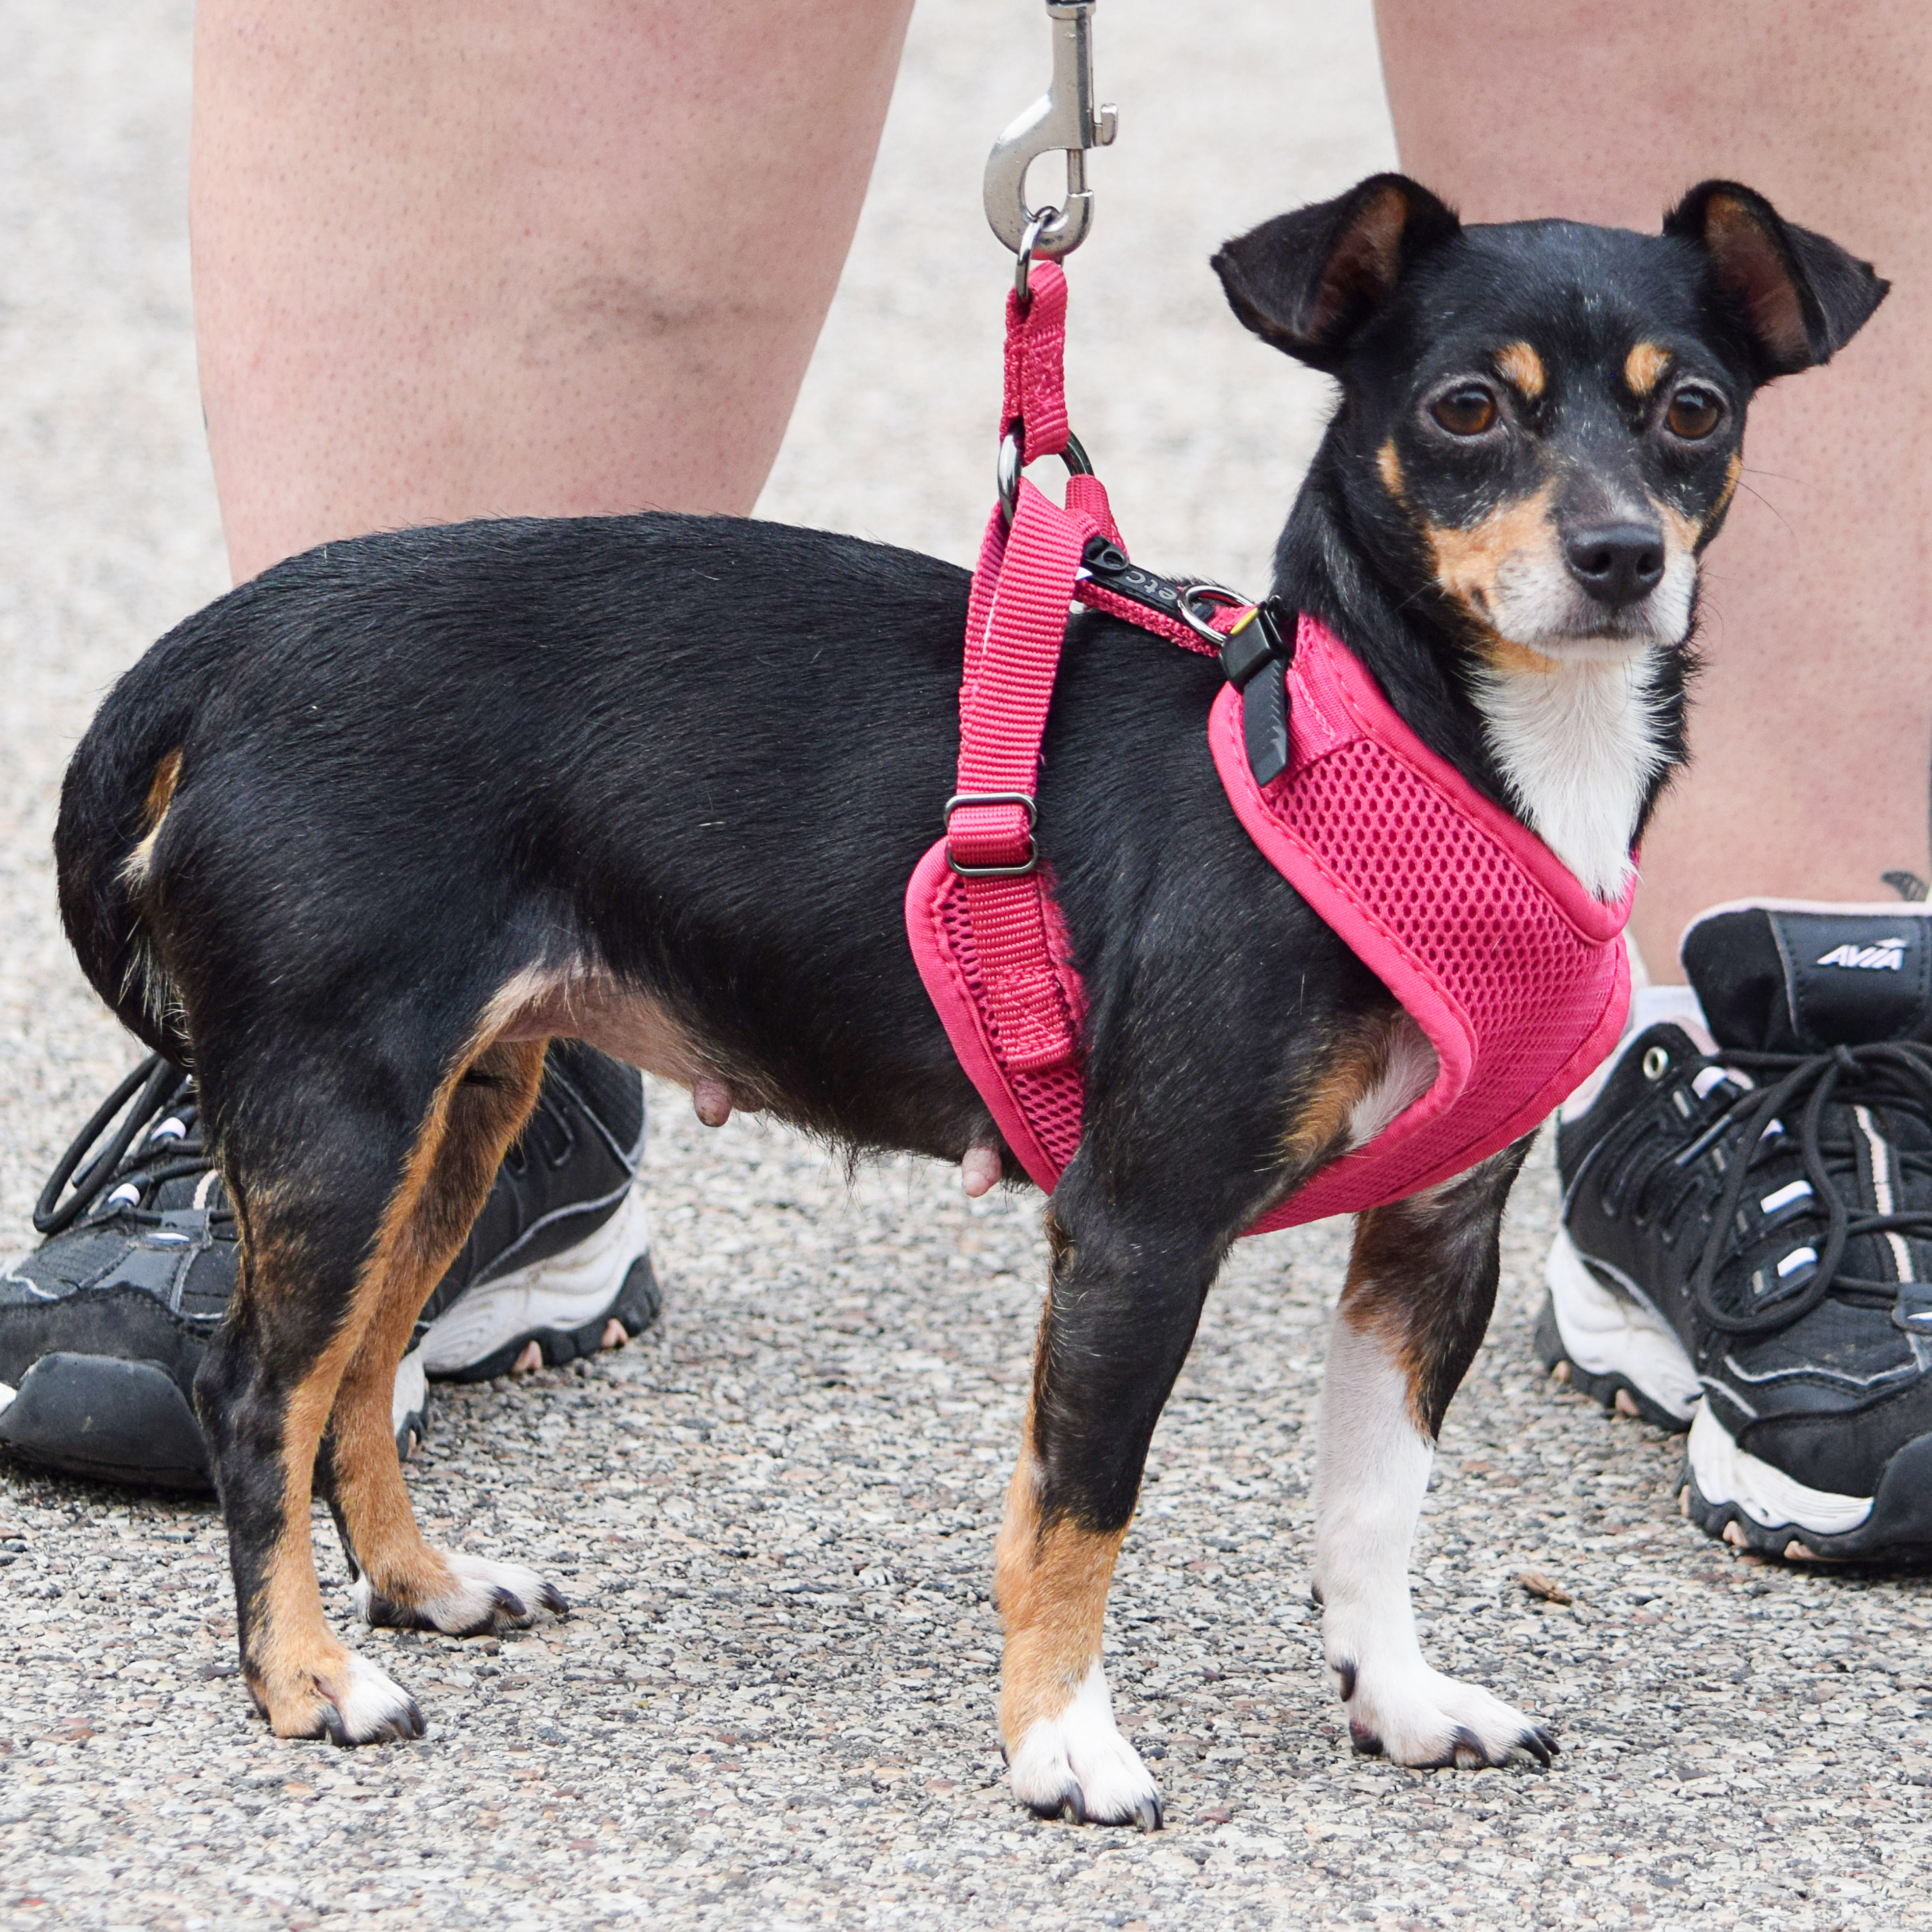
{"x": 1814, "y": 713}
{"x": 486, "y": 260}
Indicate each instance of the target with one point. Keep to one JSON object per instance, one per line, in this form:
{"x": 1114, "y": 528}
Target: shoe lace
{"x": 156, "y": 1087}
{"x": 1896, "y": 1074}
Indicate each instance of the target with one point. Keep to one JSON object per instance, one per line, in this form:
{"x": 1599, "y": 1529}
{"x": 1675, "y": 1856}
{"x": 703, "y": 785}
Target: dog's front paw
{"x": 1077, "y": 1765}
{"x": 1416, "y": 1716}
{"x": 347, "y": 1700}
{"x": 480, "y": 1598}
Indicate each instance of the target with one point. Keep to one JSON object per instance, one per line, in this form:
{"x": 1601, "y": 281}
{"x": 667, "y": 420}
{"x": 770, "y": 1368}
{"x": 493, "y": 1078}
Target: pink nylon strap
{"x": 1223, "y": 618}
{"x": 1020, "y": 598}
{"x": 1016, "y": 623}
{"x": 1036, "y": 391}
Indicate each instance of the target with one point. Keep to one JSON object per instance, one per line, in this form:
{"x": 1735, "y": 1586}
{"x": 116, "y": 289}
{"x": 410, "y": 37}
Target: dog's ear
{"x": 1307, "y": 281}
{"x": 1798, "y": 297}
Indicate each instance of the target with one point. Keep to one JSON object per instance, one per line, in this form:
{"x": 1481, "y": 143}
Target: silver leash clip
{"x": 1065, "y": 118}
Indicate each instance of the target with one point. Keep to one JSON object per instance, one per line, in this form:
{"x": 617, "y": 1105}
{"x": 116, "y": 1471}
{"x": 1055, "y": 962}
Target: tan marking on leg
{"x": 1050, "y": 1582}
{"x": 1388, "y": 467}
{"x": 470, "y": 1131}
{"x": 295, "y": 1661}
{"x": 1379, "y": 1297}
{"x": 1520, "y": 366}
{"x": 295, "y": 1664}
{"x": 1468, "y": 559}
{"x": 1644, "y": 367}
{"x": 1400, "y": 1290}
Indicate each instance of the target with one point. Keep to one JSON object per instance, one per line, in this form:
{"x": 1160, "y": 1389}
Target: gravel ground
{"x": 772, "y": 1702}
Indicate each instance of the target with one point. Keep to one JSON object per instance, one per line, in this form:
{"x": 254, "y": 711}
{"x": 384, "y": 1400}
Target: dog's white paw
{"x": 1078, "y": 1765}
{"x": 371, "y": 1708}
{"x": 484, "y": 1596}
{"x": 1414, "y": 1715}
{"x": 344, "y": 1698}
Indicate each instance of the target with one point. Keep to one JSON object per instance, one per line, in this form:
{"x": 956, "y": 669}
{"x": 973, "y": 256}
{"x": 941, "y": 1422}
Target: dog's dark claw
{"x": 1363, "y": 1741}
{"x": 553, "y": 1600}
{"x": 1071, "y": 1805}
{"x": 1539, "y": 1744}
{"x": 398, "y": 1728}
{"x": 1344, "y": 1675}
{"x": 1148, "y": 1815}
{"x": 408, "y": 1722}
{"x": 507, "y": 1603}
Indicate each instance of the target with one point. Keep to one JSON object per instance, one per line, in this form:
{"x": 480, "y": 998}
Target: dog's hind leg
{"x": 318, "y": 1152}
{"x": 401, "y": 1579}
{"x": 1422, "y": 1281}
{"x": 1120, "y": 1314}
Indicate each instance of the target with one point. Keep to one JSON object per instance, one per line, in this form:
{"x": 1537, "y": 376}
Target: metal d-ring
{"x": 1008, "y": 473}
{"x": 1213, "y": 593}
{"x": 1036, "y": 227}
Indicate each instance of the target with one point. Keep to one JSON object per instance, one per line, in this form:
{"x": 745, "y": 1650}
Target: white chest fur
{"x": 1578, "y": 745}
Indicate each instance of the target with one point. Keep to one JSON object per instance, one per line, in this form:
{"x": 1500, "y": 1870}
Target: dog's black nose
{"x": 1616, "y": 563}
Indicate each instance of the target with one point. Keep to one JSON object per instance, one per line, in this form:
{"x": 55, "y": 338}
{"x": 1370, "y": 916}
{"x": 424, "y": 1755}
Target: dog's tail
{"x": 120, "y": 786}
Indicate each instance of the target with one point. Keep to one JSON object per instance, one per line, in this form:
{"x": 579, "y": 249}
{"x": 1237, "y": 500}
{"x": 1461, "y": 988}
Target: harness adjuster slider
{"x": 1255, "y": 643}
{"x": 1254, "y": 656}
{"x": 1025, "y": 802}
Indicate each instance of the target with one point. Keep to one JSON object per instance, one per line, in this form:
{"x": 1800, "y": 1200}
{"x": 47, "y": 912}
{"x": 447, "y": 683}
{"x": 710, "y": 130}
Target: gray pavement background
{"x": 772, "y": 1705}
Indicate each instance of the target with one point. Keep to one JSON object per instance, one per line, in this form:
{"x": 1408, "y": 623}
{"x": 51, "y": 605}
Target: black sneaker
{"x": 103, "y": 1326}
{"x": 1746, "y": 1235}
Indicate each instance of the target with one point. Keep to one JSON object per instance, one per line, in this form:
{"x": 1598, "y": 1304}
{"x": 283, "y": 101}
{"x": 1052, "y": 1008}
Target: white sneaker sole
{"x": 1611, "y": 1338}
{"x": 559, "y": 1295}
{"x": 1725, "y": 1475}
{"x": 1614, "y": 1336}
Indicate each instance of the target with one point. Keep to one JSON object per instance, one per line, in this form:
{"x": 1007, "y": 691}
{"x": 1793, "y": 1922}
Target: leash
{"x": 1036, "y": 559}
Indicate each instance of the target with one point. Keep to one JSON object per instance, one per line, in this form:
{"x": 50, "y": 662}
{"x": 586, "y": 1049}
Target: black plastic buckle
{"x": 1104, "y": 562}
{"x": 1018, "y": 798}
{"x": 1255, "y": 659}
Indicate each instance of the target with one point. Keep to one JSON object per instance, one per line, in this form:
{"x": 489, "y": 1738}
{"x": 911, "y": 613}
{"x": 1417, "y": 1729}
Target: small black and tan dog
{"x": 360, "y": 838}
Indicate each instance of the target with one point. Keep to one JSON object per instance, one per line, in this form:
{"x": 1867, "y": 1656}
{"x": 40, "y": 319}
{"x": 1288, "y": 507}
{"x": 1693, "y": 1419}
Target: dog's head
{"x": 1542, "y": 422}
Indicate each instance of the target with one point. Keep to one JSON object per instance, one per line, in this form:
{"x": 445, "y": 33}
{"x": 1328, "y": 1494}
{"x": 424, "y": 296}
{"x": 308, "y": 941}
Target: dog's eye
{"x": 1467, "y": 411}
{"x": 1693, "y": 413}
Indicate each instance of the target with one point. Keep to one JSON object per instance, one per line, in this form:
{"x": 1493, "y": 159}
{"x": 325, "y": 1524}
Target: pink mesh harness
{"x": 1512, "y": 970}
